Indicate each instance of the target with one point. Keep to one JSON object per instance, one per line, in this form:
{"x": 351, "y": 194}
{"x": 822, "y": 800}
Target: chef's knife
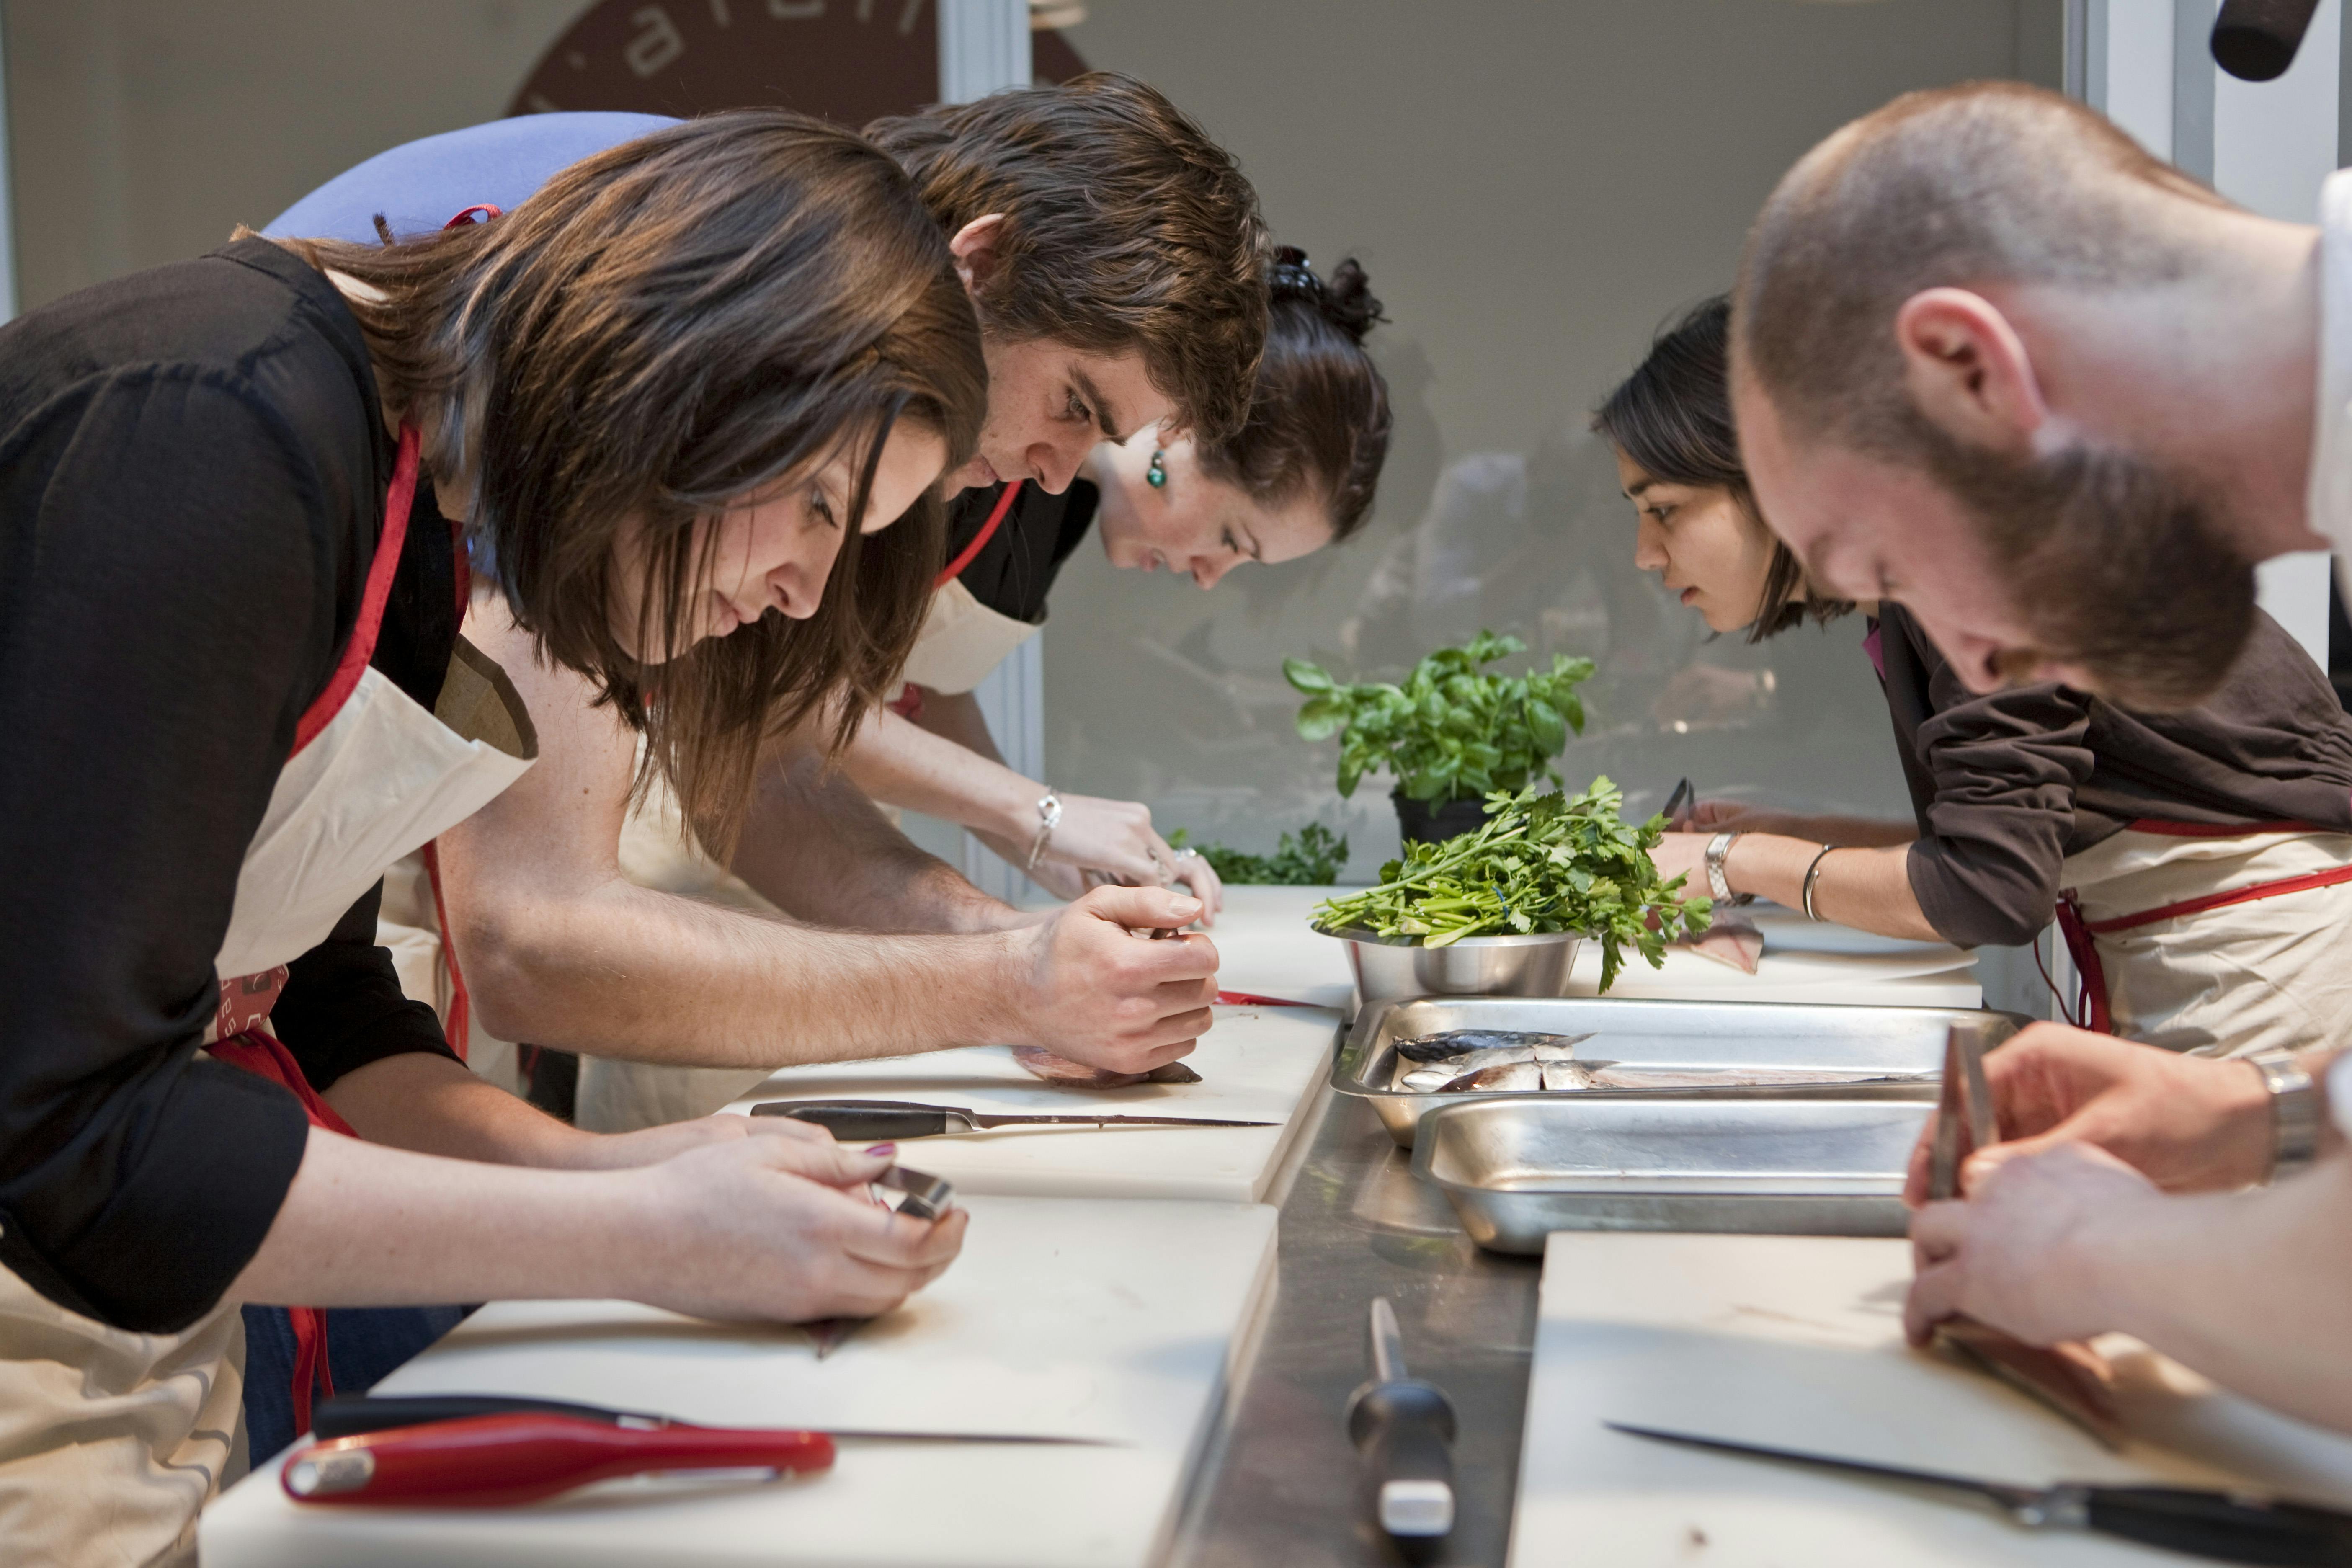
{"x": 1965, "y": 1105}
{"x": 2232, "y": 1527}
{"x": 864, "y": 1120}
{"x": 355, "y": 1415}
{"x": 1404, "y": 1429}
{"x": 1678, "y": 804}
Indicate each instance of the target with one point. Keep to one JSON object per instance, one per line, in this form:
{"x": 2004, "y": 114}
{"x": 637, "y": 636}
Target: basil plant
{"x": 1451, "y": 732}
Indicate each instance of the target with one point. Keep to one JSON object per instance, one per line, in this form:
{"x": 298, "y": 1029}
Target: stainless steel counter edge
{"x": 1278, "y": 1481}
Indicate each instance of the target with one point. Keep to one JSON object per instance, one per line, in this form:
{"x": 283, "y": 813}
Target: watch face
{"x": 849, "y": 60}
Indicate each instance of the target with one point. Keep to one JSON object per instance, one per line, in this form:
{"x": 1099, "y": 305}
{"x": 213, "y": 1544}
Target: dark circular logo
{"x": 849, "y": 60}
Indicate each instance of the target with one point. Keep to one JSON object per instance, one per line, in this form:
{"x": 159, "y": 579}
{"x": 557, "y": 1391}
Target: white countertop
{"x": 1798, "y": 1341}
{"x": 1260, "y": 1064}
{"x": 1072, "y": 1317}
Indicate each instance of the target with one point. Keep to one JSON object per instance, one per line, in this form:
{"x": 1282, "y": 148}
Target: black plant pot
{"x": 1435, "y": 821}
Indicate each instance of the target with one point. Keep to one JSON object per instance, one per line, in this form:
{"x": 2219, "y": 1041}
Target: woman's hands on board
{"x": 1116, "y": 837}
{"x": 1086, "y": 988}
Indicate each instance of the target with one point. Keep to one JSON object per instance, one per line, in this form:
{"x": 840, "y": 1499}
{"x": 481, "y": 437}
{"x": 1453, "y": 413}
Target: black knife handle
{"x": 1404, "y": 1432}
{"x": 2217, "y": 1525}
{"x": 352, "y": 1414}
{"x": 861, "y": 1120}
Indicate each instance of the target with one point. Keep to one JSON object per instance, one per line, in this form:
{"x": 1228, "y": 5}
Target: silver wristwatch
{"x": 1049, "y": 817}
{"x": 2297, "y": 1109}
{"x": 1718, "y": 884}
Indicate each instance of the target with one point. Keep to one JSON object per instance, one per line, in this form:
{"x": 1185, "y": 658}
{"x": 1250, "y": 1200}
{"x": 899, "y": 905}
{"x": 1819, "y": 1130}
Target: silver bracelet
{"x": 1049, "y": 817}
{"x": 2297, "y": 1109}
{"x": 1812, "y": 874}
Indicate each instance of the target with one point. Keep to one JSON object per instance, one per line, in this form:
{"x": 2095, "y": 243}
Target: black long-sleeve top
{"x": 193, "y": 465}
{"x": 2006, "y": 787}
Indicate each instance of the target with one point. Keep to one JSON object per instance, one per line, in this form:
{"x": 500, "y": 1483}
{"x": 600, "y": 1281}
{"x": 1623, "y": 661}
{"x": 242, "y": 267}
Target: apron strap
{"x": 458, "y": 1030}
{"x": 2091, "y": 1000}
{"x": 2246, "y": 895}
{"x": 954, "y": 569}
{"x": 380, "y": 571}
{"x": 264, "y": 1055}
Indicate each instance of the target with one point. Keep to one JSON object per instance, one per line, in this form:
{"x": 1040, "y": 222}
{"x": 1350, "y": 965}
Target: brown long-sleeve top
{"x": 2006, "y": 787}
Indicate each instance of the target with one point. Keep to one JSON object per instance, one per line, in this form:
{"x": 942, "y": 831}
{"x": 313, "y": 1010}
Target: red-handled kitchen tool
{"x": 496, "y": 1461}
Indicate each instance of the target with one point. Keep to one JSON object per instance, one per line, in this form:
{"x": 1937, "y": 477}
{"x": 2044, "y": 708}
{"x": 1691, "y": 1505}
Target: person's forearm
{"x": 903, "y": 764}
{"x": 2252, "y": 1289}
{"x": 430, "y": 1105}
{"x": 813, "y": 845}
{"x": 1867, "y": 889}
{"x": 621, "y": 971}
{"x": 369, "y": 1226}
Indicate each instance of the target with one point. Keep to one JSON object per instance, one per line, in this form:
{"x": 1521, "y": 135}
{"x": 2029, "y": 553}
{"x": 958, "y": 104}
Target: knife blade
{"x": 356, "y": 1415}
{"x": 2229, "y": 1527}
{"x": 878, "y": 1121}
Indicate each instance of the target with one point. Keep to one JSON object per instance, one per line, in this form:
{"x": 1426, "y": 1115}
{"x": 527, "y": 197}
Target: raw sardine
{"x": 1507, "y": 1076}
{"x": 1447, "y": 1044}
{"x": 1042, "y": 1063}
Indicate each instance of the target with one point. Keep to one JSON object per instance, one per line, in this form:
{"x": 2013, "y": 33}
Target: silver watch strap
{"x": 2297, "y": 1109}
{"x": 1717, "y": 883}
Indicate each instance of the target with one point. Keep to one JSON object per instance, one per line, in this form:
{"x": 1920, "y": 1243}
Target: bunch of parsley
{"x": 1311, "y": 857}
{"x": 1451, "y": 732}
{"x": 1538, "y": 863}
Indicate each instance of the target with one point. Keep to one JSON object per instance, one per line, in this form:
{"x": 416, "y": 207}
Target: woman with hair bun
{"x": 1299, "y": 474}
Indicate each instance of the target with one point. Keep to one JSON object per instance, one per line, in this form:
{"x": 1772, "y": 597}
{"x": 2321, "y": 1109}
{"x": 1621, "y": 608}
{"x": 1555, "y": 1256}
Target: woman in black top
{"x": 689, "y": 383}
{"x": 2200, "y": 862}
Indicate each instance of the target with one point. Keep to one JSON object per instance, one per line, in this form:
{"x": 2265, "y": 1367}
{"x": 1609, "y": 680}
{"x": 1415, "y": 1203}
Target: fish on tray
{"x": 1730, "y": 940}
{"x": 1450, "y": 1043}
{"x": 1040, "y": 1062}
{"x": 1554, "y": 1071}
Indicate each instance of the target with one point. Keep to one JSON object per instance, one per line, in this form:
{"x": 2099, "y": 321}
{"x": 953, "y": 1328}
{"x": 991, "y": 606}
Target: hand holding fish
{"x": 2024, "y": 1252}
{"x": 2188, "y": 1123}
{"x": 778, "y": 1230}
{"x": 1086, "y": 990}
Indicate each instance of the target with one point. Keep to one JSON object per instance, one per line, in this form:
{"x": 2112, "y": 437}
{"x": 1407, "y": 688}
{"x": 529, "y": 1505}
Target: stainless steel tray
{"x": 1890, "y": 1040}
{"x": 1518, "y": 1167}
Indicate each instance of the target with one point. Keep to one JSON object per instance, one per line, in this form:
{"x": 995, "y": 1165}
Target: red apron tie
{"x": 954, "y": 569}
{"x": 261, "y": 1053}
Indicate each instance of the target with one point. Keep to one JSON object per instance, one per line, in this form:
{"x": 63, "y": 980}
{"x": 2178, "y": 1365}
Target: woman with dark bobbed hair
{"x": 714, "y": 373}
{"x": 2199, "y": 862}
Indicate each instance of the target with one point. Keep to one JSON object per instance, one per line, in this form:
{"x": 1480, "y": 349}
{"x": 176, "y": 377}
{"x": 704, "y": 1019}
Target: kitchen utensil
{"x": 927, "y": 1197}
{"x": 1392, "y": 969}
{"x": 2227, "y": 1525}
{"x": 353, "y": 1415}
{"x": 1904, "y": 1044}
{"x": 2069, "y": 1377}
{"x": 493, "y": 1461}
{"x": 1404, "y": 1429}
{"x": 1518, "y": 1167}
{"x": 865, "y": 1121}
{"x": 1683, "y": 798}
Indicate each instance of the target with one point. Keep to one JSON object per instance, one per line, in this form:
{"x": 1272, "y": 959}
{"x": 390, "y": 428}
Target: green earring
{"x": 1156, "y": 476}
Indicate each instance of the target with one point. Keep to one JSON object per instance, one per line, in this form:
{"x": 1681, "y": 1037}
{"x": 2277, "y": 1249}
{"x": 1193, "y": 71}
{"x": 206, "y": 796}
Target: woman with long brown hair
{"x": 713, "y": 373}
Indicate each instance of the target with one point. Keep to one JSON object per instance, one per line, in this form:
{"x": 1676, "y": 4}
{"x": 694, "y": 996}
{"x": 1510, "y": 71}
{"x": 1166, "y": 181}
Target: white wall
{"x": 2266, "y": 145}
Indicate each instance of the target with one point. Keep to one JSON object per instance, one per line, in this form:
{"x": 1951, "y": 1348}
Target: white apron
{"x": 2215, "y": 942}
{"x": 111, "y": 1441}
{"x": 962, "y": 640}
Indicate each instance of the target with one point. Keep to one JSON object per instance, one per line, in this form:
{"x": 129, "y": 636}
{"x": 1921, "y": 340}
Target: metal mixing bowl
{"x": 1397, "y": 969}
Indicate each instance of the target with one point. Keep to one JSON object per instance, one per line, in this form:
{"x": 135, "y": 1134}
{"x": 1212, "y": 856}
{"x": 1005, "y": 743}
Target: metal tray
{"x": 1518, "y": 1167}
{"x": 1890, "y": 1040}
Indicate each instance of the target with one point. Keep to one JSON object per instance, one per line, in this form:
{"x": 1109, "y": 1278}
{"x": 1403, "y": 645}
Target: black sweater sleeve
{"x": 342, "y": 1006}
{"x": 168, "y": 592}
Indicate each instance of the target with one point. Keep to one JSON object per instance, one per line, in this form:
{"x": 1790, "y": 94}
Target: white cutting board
{"x": 1798, "y": 1341}
{"x": 1258, "y": 1064}
{"x": 1062, "y": 1316}
{"x": 1267, "y": 946}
